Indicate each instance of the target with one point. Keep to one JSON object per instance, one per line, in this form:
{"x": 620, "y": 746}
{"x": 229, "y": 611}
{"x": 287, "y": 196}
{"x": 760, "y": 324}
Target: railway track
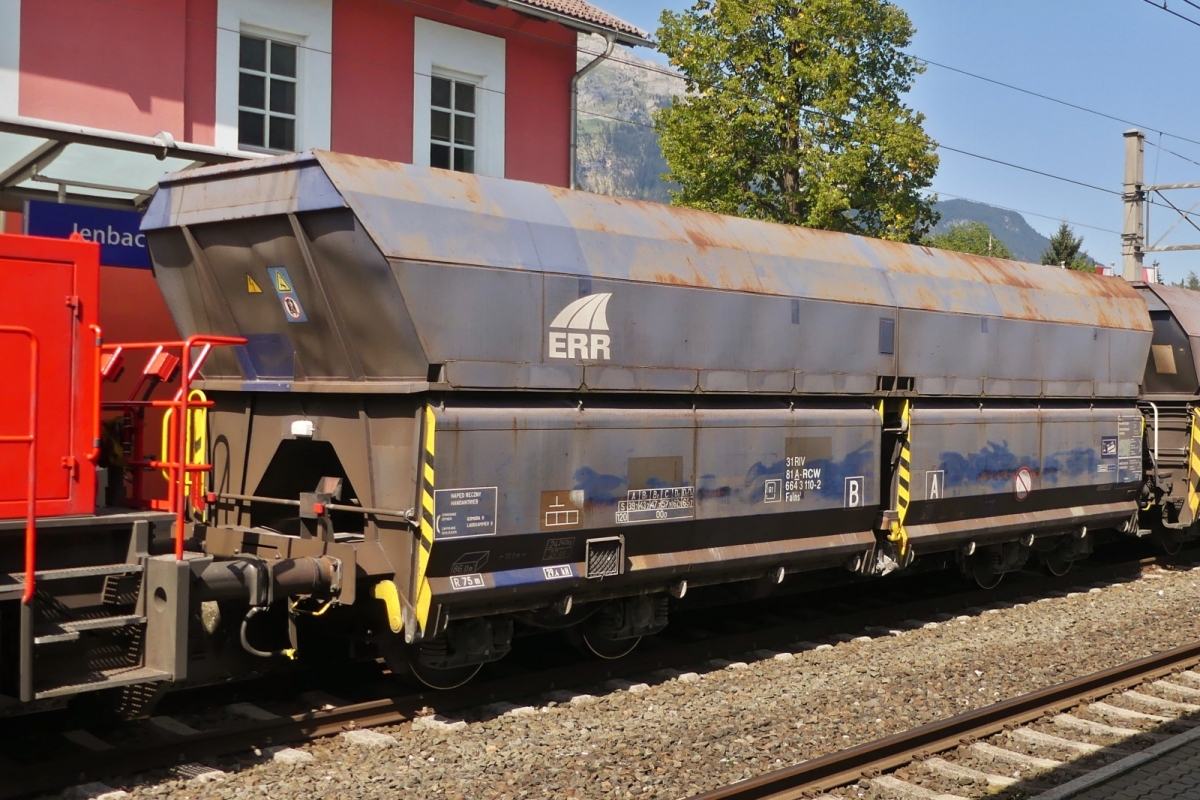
{"x": 1016, "y": 748}
{"x": 171, "y": 745}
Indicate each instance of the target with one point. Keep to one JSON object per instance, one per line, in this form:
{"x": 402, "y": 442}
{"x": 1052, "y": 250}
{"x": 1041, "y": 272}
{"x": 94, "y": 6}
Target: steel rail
{"x": 870, "y": 759}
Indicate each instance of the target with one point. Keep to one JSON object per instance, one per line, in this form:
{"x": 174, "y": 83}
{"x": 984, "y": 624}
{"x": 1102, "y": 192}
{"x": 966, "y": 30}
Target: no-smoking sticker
{"x": 1023, "y": 483}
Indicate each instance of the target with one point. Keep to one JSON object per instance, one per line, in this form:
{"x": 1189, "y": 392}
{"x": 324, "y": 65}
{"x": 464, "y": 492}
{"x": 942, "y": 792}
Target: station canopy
{"x": 43, "y": 160}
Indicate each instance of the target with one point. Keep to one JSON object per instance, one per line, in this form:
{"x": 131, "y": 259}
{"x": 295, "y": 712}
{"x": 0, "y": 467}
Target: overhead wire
{"x": 1031, "y": 213}
{"x": 1172, "y": 12}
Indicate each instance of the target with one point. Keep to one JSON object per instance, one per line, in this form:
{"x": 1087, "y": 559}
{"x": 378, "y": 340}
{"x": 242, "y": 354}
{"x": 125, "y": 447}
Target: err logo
{"x": 585, "y": 314}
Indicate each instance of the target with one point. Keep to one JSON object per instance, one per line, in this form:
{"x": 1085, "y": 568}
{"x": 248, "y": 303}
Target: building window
{"x": 452, "y": 124}
{"x": 458, "y": 99}
{"x": 267, "y": 94}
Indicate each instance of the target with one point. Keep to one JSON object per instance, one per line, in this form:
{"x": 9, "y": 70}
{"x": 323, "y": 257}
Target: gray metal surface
{"x": 1173, "y": 367}
{"x": 741, "y": 485}
{"x": 995, "y": 470}
{"x": 407, "y": 274}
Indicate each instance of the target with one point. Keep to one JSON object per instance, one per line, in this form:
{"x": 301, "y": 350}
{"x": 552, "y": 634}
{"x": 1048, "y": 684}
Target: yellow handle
{"x": 197, "y": 434}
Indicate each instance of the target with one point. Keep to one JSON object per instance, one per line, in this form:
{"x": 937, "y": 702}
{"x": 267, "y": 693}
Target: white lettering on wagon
{"x": 474, "y": 581}
{"x": 588, "y": 314}
{"x": 649, "y": 505}
{"x": 801, "y": 478}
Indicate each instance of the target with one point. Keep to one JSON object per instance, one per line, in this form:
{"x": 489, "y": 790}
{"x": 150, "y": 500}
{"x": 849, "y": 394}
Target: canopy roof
{"x": 42, "y": 160}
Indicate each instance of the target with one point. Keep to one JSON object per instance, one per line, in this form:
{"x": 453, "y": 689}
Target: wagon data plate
{"x": 459, "y": 513}
{"x": 650, "y": 505}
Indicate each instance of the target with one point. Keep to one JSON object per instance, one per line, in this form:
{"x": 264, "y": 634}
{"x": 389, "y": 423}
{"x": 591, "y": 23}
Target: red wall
{"x": 144, "y": 66}
{"x": 538, "y": 107}
{"x": 373, "y": 82}
{"x": 200, "y": 73}
{"x": 108, "y": 65}
{"x": 372, "y": 79}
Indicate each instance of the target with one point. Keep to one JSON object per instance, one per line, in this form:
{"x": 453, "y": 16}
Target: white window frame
{"x": 308, "y": 24}
{"x": 267, "y": 77}
{"x": 10, "y": 57}
{"x": 457, "y": 77}
{"x": 459, "y": 54}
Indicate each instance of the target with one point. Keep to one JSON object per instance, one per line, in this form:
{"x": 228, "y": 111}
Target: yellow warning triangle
{"x": 251, "y": 286}
{"x": 280, "y": 283}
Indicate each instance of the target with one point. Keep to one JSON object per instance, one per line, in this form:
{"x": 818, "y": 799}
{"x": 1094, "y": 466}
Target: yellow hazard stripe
{"x": 425, "y": 543}
{"x": 1194, "y": 464}
{"x": 898, "y": 534}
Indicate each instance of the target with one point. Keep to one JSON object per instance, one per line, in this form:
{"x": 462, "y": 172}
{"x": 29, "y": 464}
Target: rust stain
{"x": 686, "y": 247}
{"x": 670, "y": 278}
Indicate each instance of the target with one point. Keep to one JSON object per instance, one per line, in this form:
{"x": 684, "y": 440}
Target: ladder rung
{"x": 69, "y": 631}
{"x": 75, "y": 572}
{"x": 107, "y": 679}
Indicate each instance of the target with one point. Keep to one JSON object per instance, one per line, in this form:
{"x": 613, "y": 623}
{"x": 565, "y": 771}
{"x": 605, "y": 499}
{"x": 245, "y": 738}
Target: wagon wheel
{"x": 403, "y": 661}
{"x": 608, "y": 648}
{"x": 985, "y": 568}
{"x": 1055, "y": 564}
{"x": 590, "y": 643}
{"x": 1167, "y": 541}
{"x": 442, "y": 679}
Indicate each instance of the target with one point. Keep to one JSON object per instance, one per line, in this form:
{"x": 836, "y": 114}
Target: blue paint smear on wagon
{"x": 1072, "y": 464}
{"x": 598, "y": 487}
{"x": 996, "y": 465}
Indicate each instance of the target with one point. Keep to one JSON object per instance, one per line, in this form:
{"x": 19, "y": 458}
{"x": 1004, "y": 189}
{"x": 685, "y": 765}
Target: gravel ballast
{"x": 711, "y": 724}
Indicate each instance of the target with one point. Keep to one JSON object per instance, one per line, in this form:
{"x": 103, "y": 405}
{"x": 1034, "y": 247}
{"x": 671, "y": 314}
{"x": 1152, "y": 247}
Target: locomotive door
{"x": 35, "y": 295}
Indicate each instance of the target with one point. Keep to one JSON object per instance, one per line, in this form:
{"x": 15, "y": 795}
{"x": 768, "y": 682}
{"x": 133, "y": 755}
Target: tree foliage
{"x": 793, "y": 113}
{"x": 969, "y": 237}
{"x": 1066, "y": 249}
{"x": 1190, "y": 282}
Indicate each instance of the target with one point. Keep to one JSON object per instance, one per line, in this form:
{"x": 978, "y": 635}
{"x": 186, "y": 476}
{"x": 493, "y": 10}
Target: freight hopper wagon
{"x": 1169, "y": 404}
{"x": 493, "y": 402}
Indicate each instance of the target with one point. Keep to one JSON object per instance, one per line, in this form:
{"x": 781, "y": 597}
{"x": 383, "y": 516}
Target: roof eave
{"x": 622, "y": 37}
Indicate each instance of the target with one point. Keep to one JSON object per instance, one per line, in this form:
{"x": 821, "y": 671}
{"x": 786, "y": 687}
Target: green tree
{"x": 1066, "y": 250}
{"x": 969, "y": 237}
{"x": 1190, "y": 282}
{"x": 793, "y": 113}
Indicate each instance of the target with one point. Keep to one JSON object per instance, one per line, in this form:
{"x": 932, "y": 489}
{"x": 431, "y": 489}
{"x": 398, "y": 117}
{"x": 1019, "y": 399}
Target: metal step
{"x": 108, "y": 679}
{"x": 69, "y": 631}
{"x": 13, "y": 584}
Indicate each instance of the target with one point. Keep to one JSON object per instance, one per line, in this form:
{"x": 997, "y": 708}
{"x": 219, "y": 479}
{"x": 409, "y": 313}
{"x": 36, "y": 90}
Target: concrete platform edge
{"x": 1118, "y": 768}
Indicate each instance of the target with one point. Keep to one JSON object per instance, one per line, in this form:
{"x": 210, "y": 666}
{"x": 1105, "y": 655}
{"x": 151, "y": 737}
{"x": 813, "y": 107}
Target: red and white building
{"x": 475, "y": 85}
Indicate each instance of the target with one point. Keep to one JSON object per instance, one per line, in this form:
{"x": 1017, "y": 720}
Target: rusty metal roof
{"x": 1183, "y": 303}
{"x": 431, "y": 215}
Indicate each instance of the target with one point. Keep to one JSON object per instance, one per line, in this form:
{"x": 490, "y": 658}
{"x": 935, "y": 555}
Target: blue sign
{"x": 122, "y": 244}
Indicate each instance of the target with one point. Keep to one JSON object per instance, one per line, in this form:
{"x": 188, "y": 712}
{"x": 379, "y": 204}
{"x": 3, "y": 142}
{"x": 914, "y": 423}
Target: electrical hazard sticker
{"x": 292, "y": 310}
{"x": 252, "y": 286}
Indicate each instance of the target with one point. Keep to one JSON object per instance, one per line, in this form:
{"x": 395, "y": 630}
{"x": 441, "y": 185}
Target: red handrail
{"x": 97, "y": 346}
{"x": 31, "y": 440}
{"x": 175, "y": 459}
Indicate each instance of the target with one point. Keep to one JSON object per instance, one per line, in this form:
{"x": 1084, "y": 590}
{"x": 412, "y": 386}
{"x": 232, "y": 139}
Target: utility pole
{"x": 1133, "y": 236}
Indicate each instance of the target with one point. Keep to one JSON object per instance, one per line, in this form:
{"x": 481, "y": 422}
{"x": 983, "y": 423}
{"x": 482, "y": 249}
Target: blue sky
{"x": 1123, "y": 57}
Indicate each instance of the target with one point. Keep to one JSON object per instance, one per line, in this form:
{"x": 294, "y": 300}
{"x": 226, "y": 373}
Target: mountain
{"x": 618, "y": 148}
{"x": 1023, "y": 242}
